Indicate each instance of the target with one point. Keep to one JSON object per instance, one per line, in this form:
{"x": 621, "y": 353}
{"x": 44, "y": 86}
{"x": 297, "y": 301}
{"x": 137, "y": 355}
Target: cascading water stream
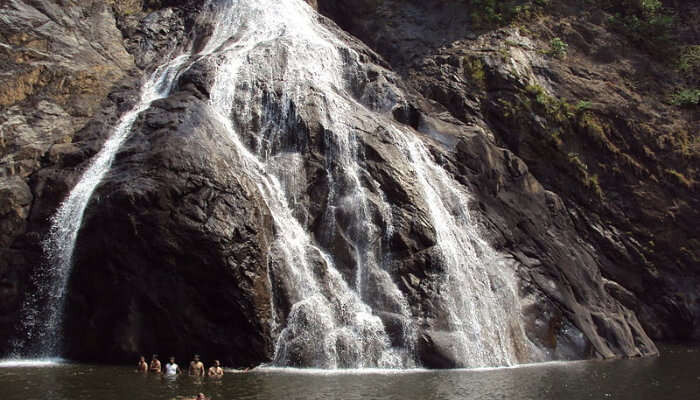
{"x": 328, "y": 325}
{"x": 479, "y": 295}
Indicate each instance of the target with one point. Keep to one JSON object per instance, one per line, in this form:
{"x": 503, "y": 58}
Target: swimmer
{"x": 196, "y": 367}
{"x": 200, "y": 396}
{"x": 155, "y": 365}
{"x": 216, "y": 370}
{"x": 142, "y": 366}
{"x": 172, "y": 369}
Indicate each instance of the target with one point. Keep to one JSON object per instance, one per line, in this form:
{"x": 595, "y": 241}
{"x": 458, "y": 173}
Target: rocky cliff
{"x": 581, "y": 177}
{"x": 586, "y": 100}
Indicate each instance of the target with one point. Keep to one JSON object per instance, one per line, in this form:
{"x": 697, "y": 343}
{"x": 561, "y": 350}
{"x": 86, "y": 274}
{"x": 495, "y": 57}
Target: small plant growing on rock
{"x": 558, "y": 48}
{"x": 575, "y": 160}
{"x": 689, "y": 60}
{"x": 474, "y": 69}
{"x": 494, "y": 13}
{"x": 504, "y": 52}
{"x": 686, "y": 98}
{"x": 583, "y": 105}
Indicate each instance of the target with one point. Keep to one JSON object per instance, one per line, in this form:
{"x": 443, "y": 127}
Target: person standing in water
{"x": 196, "y": 367}
{"x": 216, "y": 370}
{"x": 172, "y": 369}
{"x": 142, "y": 366}
{"x": 155, "y": 365}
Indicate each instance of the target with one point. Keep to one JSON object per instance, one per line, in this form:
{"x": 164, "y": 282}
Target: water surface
{"x": 674, "y": 375}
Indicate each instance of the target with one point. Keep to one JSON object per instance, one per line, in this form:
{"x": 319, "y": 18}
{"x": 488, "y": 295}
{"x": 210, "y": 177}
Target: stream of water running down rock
{"x": 331, "y": 323}
{"x": 43, "y": 311}
{"x": 329, "y": 326}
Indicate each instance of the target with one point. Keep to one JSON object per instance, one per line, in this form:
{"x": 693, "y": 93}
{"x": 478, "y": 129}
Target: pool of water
{"x": 673, "y": 375}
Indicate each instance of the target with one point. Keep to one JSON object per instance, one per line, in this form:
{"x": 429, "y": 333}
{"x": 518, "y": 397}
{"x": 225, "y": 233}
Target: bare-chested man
{"x": 142, "y": 366}
{"x": 196, "y": 367}
{"x": 155, "y": 365}
{"x": 216, "y": 370}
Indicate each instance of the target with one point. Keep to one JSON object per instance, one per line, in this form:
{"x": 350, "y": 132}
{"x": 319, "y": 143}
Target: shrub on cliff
{"x": 558, "y": 48}
{"x": 493, "y": 13}
{"x": 646, "y": 22}
{"x": 686, "y": 98}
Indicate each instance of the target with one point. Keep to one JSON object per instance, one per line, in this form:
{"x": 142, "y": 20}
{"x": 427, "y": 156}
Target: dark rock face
{"x": 176, "y": 247}
{"x": 16, "y": 202}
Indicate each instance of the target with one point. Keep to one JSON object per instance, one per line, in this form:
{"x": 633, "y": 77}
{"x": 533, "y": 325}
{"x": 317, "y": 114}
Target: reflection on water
{"x": 674, "y": 375}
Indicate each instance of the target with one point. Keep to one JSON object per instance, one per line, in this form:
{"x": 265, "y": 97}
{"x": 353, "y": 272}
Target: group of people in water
{"x": 196, "y": 367}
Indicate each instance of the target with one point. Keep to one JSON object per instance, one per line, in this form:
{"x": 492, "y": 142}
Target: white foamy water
{"x": 31, "y": 363}
{"x": 477, "y": 293}
{"x": 328, "y": 326}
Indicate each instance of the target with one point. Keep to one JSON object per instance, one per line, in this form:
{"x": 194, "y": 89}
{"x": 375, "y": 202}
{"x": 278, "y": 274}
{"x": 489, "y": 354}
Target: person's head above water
{"x": 217, "y": 363}
{"x": 142, "y": 358}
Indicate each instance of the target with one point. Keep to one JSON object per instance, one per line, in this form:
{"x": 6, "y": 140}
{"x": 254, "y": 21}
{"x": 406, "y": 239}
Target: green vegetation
{"x": 474, "y": 71}
{"x": 686, "y": 98}
{"x": 564, "y": 134}
{"x": 645, "y": 22}
{"x": 583, "y": 105}
{"x": 558, "y": 48}
{"x": 555, "y": 109}
{"x": 126, "y": 7}
{"x": 689, "y": 60}
{"x": 592, "y": 128}
{"x": 576, "y": 161}
{"x": 593, "y": 184}
{"x": 598, "y": 146}
{"x": 589, "y": 181}
{"x": 489, "y": 13}
{"x": 493, "y": 13}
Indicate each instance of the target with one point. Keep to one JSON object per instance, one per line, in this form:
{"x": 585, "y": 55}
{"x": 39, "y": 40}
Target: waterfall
{"x": 333, "y": 321}
{"x": 479, "y": 295}
{"x": 329, "y": 325}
